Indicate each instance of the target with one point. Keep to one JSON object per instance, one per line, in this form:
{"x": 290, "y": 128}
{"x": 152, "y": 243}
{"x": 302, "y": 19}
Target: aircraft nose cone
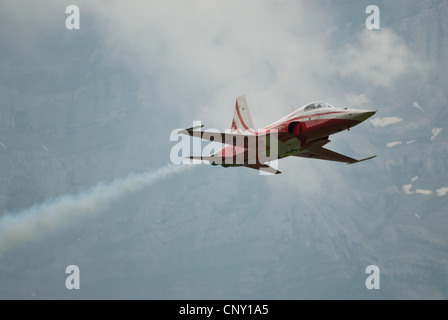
{"x": 362, "y": 115}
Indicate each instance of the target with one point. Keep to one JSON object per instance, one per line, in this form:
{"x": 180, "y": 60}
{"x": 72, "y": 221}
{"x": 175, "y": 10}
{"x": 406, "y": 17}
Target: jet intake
{"x": 295, "y": 128}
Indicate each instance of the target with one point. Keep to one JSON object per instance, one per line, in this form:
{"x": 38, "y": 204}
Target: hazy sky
{"x": 90, "y": 106}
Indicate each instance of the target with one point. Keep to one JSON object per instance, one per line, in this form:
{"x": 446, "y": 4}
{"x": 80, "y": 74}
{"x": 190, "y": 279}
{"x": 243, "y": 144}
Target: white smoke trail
{"x": 39, "y": 220}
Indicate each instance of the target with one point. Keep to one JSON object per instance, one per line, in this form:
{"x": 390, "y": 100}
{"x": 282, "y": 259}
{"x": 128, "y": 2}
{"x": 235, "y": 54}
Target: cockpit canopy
{"x": 306, "y": 108}
{"x": 316, "y": 105}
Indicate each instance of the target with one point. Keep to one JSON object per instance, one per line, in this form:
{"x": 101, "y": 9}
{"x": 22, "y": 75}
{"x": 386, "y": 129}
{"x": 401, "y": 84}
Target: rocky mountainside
{"x": 71, "y": 118}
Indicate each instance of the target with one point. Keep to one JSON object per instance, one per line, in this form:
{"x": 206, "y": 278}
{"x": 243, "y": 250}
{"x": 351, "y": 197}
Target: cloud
{"x": 435, "y": 132}
{"x": 393, "y": 144}
{"x": 423, "y": 191}
{"x": 383, "y": 122}
{"x": 357, "y": 99}
{"x": 407, "y": 188}
{"x": 274, "y": 52}
{"x": 442, "y": 191}
{"x": 416, "y": 105}
{"x": 379, "y": 58}
{"x": 208, "y": 53}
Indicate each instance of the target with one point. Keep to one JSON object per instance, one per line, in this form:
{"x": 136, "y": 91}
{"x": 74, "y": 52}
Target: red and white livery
{"x": 302, "y": 133}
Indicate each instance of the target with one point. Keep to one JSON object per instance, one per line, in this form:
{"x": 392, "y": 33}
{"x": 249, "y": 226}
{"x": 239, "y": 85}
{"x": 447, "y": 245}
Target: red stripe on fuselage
{"x": 314, "y": 115}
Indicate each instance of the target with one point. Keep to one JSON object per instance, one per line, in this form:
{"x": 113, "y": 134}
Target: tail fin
{"x": 242, "y": 121}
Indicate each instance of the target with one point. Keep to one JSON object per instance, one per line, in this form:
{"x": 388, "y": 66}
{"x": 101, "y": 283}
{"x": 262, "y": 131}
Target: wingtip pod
{"x": 364, "y": 159}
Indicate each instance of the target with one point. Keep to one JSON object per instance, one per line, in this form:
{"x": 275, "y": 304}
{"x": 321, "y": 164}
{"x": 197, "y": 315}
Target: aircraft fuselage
{"x": 302, "y": 133}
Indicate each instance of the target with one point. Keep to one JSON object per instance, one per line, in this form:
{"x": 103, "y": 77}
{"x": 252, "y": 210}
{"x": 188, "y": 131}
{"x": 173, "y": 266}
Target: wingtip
{"x": 361, "y": 160}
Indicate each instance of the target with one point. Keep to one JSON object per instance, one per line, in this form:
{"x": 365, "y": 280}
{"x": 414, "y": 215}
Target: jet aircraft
{"x": 302, "y": 133}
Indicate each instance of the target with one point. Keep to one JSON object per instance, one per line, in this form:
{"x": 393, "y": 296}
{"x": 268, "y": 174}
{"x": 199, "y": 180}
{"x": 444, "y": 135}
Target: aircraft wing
{"x": 233, "y": 138}
{"x": 263, "y": 167}
{"x": 325, "y": 154}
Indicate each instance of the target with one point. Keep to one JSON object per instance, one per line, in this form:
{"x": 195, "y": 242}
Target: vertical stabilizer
{"x": 242, "y": 121}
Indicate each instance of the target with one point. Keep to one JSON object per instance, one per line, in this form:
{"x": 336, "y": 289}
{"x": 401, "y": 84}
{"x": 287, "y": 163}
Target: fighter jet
{"x": 302, "y": 133}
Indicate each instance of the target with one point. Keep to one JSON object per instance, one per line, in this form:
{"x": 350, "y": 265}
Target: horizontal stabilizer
{"x": 189, "y": 131}
{"x": 257, "y": 166}
{"x": 206, "y": 158}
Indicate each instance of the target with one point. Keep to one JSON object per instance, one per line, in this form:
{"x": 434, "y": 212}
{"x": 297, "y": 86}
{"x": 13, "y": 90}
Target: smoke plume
{"x": 39, "y": 220}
